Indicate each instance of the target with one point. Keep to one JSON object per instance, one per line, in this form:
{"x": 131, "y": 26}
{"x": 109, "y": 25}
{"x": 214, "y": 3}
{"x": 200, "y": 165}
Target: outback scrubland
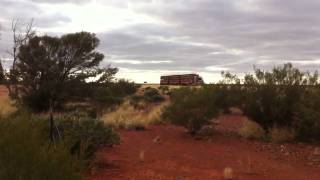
{"x": 63, "y": 116}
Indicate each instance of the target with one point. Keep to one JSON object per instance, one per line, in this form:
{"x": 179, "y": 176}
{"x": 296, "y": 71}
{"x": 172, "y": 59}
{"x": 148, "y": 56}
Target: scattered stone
{"x": 156, "y": 139}
{"x": 282, "y": 148}
{"x": 141, "y": 156}
{"x": 228, "y": 173}
{"x": 316, "y": 151}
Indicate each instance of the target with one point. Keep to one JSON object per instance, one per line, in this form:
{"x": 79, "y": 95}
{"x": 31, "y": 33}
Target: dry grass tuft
{"x": 252, "y": 130}
{"x": 6, "y": 106}
{"x": 127, "y": 117}
{"x": 280, "y": 135}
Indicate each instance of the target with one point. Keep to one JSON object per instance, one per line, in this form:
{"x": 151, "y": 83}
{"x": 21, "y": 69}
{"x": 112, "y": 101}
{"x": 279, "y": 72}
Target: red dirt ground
{"x": 3, "y": 91}
{"x": 179, "y": 156}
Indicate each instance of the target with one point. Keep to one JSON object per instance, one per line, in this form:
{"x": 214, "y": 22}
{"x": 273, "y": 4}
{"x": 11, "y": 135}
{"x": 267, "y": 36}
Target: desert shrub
{"x": 226, "y": 95}
{"x": 137, "y": 101}
{"x": 252, "y": 130}
{"x": 284, "y": 97}
{"x": 307, "y": 116}
{"x": 24, "y": 153}
{"x": 164, "y": 89}
{"x": 83, "y": 135}
{"x": 124, "y": 88}
{"x": 26, "y": 150}
{"x": 280, "y": 135}
{"x": 152, "y": 95}
{"x": 272, "y": 98}
{"x": 228, "y": 92}
{"x": 99, "y": 97}
{"x": 191, "y": 108}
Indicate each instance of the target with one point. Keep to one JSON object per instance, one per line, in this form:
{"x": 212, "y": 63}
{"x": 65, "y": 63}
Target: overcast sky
{"x": 148, "y": 38}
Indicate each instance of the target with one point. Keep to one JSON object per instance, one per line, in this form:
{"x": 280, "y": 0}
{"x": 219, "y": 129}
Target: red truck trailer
{"x": 184, "y": 79}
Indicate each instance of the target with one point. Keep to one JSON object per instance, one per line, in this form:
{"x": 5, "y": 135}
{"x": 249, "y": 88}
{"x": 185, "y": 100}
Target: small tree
{"x": 21, "y": 33}
{"x": 49, "y": 68}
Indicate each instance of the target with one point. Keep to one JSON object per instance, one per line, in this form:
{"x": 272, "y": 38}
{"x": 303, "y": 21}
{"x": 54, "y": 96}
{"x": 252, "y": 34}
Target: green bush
{"x": 136, "y": 101}
{"x": 272, "y": 98}
{"x": 191, "y": 108}
{"x": 83, "y": 136}
{"x": 226, "y": 95}
{"x": 24, "y": 153}
{"x": 152, "y": 95}
{"x": 307, "y": 116}
{"x": 284, "y": 97}
{"x": 100, "y": 97}
{"x": 164, "y": 89}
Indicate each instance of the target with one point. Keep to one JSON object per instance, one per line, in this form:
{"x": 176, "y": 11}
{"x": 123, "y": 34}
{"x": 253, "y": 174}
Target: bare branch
{"x": 20, "y": 36}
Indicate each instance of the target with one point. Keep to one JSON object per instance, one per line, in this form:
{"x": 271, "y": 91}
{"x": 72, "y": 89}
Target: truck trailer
{"x": 183, "y": 80}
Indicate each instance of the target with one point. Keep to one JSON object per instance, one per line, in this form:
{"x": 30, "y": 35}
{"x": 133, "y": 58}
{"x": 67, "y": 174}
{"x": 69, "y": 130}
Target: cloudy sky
{"x": 148, "y": 38}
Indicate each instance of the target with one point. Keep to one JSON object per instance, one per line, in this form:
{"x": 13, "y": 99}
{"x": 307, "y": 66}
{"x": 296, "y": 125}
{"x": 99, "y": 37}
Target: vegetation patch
{"x": 6, "y": 106}
{"x": 191, "y": 108}
{"x": 128, "y": 116}
{"x": 281, "y": 135}
{"x": 252, "y": 130}
{"x": 27, "y": 150}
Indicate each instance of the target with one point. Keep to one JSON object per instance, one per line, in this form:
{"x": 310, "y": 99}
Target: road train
{"x": 184, "y": 79}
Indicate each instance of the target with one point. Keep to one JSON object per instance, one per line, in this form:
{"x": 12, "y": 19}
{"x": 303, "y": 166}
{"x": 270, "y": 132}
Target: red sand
{"x": 179, "y": 156}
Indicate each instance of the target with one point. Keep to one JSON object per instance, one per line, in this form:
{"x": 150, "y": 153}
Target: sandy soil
{"x": 179, "y": 156}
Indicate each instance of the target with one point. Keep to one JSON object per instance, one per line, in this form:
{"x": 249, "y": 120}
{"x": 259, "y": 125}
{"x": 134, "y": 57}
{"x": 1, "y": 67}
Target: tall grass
{"x": 6, "y": 106}
{"x": 252, "y": 130}
{"x": 128, "y": 117}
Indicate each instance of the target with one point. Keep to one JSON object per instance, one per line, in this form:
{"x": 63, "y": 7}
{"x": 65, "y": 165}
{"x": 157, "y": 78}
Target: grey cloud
{"x": 200, "y": 33}
{"x": 61, "y": 1}
{"x": 131, "y": 44}
{"x": 25, "y": 11}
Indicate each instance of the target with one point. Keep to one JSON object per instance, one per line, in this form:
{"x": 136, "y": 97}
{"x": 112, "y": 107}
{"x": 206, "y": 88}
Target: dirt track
{"x": 178, "y": 156}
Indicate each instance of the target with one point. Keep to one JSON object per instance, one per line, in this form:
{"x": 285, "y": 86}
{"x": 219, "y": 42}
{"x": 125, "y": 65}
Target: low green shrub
{"x": 152, "y": 95}
{"x": 191, "y": 108}
{"x": 164, "y": 89}
{"x": 24, "y": 153}
{"x": 284, "y": 97}
{"x": 307, "y": 116}
{"x": 136, "y": 101}
{"x": 83, "y": 136}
